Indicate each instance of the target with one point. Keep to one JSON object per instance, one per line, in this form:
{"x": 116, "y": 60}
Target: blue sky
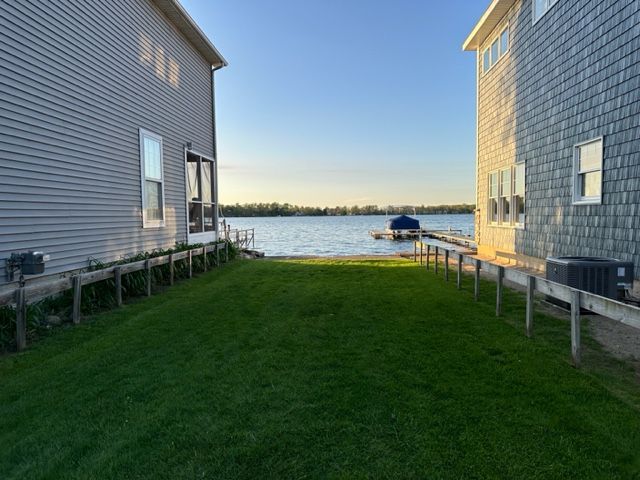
{"x": 344, "y": 102}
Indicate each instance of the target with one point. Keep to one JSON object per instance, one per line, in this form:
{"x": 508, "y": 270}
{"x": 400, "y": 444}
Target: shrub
{"x": 100, "y": 295}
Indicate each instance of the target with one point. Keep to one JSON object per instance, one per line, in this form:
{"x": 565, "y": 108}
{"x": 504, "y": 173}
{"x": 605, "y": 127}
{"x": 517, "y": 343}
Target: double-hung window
{"x": 587, "y": 168}
{"x": 498, "y": 47}
{"x": 505, "y": 196}
{"x": 540, "y": 7}
{"x": 152, "y": 177}
{"x": 518, "y": 195}
{"x": 493, "y": 197}
{"x": 201, "y": 197}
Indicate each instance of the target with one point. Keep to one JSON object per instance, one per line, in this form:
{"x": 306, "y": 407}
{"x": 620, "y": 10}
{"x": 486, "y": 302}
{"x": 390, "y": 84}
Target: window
{"x": 504, "y": 41}
{"x": 495, "y": 52}
{"x": 587, "y": 167}
{"x": 540, "y": 7}
{"x": 493, "y": 197}
{"x": 499, "y": 47}
{"x": 152, "y": 177}
{"x": 505, "y": 196}
{"x": 518, "y": 195}
{"x": 201, "y": 197}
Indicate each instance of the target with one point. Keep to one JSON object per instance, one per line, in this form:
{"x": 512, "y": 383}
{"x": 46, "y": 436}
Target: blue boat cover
{"x": 403, "y": 222}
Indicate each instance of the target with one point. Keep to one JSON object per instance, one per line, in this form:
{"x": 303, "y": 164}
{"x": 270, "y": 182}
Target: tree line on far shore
{"x": 288, "y": 210}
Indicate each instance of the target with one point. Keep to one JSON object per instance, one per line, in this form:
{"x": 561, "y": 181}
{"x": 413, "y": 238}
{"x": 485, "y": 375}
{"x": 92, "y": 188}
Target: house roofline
{"x": 487, "y": 23}
{"x": 176, "y": 13}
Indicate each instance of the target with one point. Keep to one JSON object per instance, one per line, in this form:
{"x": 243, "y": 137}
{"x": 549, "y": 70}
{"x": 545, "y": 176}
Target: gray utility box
{"x": 606, "y": 277}
{"x": 29, "y": 263}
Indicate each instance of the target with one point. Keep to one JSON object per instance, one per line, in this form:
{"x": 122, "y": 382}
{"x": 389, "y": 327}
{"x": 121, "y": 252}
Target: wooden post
{"x": 21, "y": 319}
{"x": 499, "y": 291}
{"x": 147, "y": 267}
{"x": 476, "y": 293}
{"x": 190, "y": 261}
{"x": 575, "y": 327}
{"x": 428, "y": 255}
{"x": 117, "y": 274}
{"x": 172, "y": 269}
{"x": 459, "y": 279}
{"x": 435, "y": 262}
{"x": 217, "y": 255}
{"x": 226, "y": 252}
{"x": 446, "y": 265}
{"x": 77, "y": 298}
{"x": 421, "y": 255}
{"x": 204, "y": 257}
{"x": 531, "y": 286}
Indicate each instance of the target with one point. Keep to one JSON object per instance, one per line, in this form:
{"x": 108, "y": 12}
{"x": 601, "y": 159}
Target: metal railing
{"x": 240, "y": 238}
{"x": 578, "y": 299}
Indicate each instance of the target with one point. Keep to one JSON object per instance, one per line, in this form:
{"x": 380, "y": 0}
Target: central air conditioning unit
{"x": 606, "y": 277}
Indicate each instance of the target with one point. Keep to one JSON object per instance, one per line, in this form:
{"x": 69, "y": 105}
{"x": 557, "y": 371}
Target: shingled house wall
{"x": 570, "y": 77}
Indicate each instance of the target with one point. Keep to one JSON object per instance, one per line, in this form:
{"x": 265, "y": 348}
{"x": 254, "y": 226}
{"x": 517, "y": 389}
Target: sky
{"x": 344, "y": 102}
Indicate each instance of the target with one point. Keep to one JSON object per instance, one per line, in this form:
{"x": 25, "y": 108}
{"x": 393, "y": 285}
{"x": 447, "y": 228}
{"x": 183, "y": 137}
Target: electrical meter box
{"x": 31, "y": 263}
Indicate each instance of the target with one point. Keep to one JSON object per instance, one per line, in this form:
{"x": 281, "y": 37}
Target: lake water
{"x": 328, "y": 236}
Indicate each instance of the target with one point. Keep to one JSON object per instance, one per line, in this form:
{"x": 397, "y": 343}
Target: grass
{"x": 316, "y": 369}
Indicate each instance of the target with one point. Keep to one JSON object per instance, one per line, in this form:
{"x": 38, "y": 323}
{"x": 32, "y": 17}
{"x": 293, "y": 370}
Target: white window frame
{"x": 501, "y": 53}
{"x": 202, "y": 237}
{"x": 495, "y": 198}
{"x": 515, "y": 215}
{"x": 578, "y": 199}
{"x": 548, "y": 5}
{"x": 513, "y": 220}
{"x": 509, "y": 196}
{"x": 142, "y": 134}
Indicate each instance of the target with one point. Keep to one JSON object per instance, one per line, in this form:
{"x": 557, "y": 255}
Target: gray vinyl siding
{"x": 571, "y": 77}
{"x": 75, "y": 88}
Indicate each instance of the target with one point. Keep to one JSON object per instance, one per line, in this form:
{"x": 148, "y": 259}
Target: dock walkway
{"x": 449, "y": 236}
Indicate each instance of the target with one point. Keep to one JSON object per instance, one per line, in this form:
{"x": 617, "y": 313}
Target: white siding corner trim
{"x": 152, "y": 179}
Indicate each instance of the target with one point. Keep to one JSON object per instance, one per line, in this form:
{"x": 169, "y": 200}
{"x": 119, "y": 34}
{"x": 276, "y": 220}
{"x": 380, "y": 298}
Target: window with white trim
{"x": 506, "y": 196}
{"x": 200, "y": 196}
{"x": 498, "y": 47}
{"x": 518, "y": 195}
{"x": 152, "y": 177}
{"x": 587, "y": 168}
{"x": 540, "y": 7}
{"x": 493, "y": 197}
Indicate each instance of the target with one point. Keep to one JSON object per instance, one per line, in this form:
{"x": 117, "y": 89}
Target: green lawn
{"x": 316, "y": 369}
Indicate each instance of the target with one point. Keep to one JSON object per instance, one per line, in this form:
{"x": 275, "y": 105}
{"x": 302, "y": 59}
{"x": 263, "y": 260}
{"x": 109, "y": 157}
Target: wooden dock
{"x": 398, "y": 234}
{"x": 456, "y": 238}
{"x": 449, "y": 236}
